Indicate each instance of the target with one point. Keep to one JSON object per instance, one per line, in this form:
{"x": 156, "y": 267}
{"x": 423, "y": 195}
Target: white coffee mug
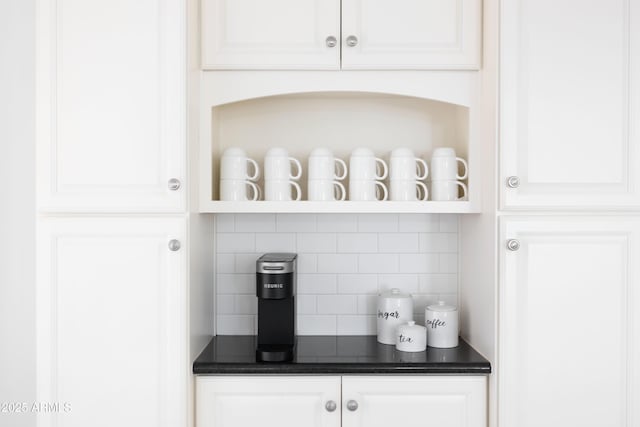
{"x": 236, "y": 190}
{"x": 408, "y": 190}
{"x": 325, "y": 190}
{"x": 277, "y": 165}
{"x": 323, "y": 165}
{"x": 447, "y": 190}
{"x": 444, "y": 165}
{"x": 365, "y": 190}
{"x": 280, "y": 190}
{"x": 234, "y": 165}
{"x": 364, "y": 165}
{"x": 404, "y": 165}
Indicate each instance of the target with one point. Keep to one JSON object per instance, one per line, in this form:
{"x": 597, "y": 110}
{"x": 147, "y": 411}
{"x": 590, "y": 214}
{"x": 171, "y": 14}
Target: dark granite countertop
{"x": 230, "y": 354}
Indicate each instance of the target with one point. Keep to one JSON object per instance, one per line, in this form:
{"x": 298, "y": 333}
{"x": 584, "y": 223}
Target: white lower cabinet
{"x": 569, "y": 328}
{"x": 349, "y": 401}
{"x": 111, "y": 322}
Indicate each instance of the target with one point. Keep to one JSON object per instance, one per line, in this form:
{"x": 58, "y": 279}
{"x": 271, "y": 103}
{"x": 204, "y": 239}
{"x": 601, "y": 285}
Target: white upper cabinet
{"x": 569, "y": 328}
{"x": 411, "y": 34}
{"x": 110, "y": 105}
{"x": 352, "y": 34}
{"x": 111, "y": 322}
{"x": 570, "y": 101}
{"x": 271, "y": 34}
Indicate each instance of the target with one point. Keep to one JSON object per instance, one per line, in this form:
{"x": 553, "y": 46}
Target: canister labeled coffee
{"x": 441, "y": 321}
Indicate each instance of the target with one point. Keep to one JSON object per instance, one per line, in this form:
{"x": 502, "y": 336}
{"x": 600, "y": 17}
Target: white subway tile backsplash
{"x": 296, "y": 222}
{"x": 256, "y": 223}
{"x": 225, "y": 304}
{"x": 316, "y": 325}
{"x": 236, "y": 283}
{"x": 378, "y": 223}
{"x": 316, "y": 242}
{"x": 367, "y": 304}
{"x": 449, "y": 223}
{"x": 334, "y": 263}
{"x": 246, "y": 304}
{"x": 307, "y": 263}
{"x": 225, "y": 223}
{"x": 236, "y": 324}
{"x": 448, "y": 263}
{"x": 419, "y": 263}
{"x": 337, "y": 304}
{"x": 358, "y": 243}
{"x": 357, "y": 283}
{"x": 235, "y": 242}
{"x": 317, "y": 283}
{"x": 225, "y": 263}
{"x": 439, "y": 242}
{"x": 344, "y": 261}
{"x": 275, "y": 242}
{"x": 378, "y": 263}
{"x": 419, "y": 223}
{"x": 306, "y": 304}
{"x": 405, "y": 282}
{"x": 400, "y": 243}
{"x": 343, "y": 223}
{"x": 356, "y": 325}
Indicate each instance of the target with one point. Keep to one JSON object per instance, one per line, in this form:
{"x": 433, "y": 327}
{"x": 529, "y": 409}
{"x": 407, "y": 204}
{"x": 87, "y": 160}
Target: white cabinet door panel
{"x": 268, "y": 401}
{"x": 274, "y": 34}
{"x": 570, "y": 98}
{"x": 110, "y": 119}
{"x": 412, "y": 401}
{"x": 568, "y": 329}
{"x": 111, "y": 322}
{"x": 412, "y": 34}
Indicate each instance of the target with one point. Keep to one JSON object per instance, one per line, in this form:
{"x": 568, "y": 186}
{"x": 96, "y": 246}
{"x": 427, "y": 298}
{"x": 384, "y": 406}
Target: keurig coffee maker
{"x": 275, "y": 288}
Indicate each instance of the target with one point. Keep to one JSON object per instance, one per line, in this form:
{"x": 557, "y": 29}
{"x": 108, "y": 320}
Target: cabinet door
{"x": 110, "y": 82}
{"x": 414, "y": 401}
{"x": 111, "y": 323}
{"x": 411, "y": 34}
{"x": 271, "y": 401}
{"x": 570, "y": 99}
{"x": 569, "y": 327}
{"x": 273, "y": 34}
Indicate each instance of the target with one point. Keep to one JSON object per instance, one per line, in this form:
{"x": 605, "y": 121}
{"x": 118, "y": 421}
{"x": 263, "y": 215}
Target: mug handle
{"x": 385, "y": 171}
{"x": 298, "y": 191}
{"x": 425, "y": 168}
{"x": 466, "y": 168}
{"x": 464, "y": 191}
{"x": 256, "y": 169}
{"x": 344, "y": 169}
{"x": 384, "y": 191}
{"x": 299, "y": 166}
{"x": 256, "y": 190}
{"x": 425, "y": 193}
{"x": 341, "y": 194}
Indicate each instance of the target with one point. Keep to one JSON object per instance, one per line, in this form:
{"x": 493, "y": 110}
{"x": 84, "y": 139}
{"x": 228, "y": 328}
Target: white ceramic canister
{"x": 394, "y": 308}
{"x": 411, "y": 337}
{"x": 441, "y": 321}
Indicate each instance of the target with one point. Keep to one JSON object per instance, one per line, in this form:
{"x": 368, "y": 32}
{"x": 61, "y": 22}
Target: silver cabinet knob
{"x": 174, "y": 184}
{"x": 352, "y": 41}
{"x": 513, "y": 182}
{"x": 352, "y": 405}
{"x": 330, "y": 406}
{"x": 174, "y": 245}
{"x": 513, "y": 244}
{"x": 331, "y": 41}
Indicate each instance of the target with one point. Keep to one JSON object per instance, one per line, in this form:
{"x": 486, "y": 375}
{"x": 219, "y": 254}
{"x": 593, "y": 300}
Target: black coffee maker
{"x": 275, "y": 288}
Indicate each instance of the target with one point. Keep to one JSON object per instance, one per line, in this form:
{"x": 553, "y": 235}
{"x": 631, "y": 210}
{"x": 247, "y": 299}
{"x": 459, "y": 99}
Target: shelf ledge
{"x": 337, "y": 207}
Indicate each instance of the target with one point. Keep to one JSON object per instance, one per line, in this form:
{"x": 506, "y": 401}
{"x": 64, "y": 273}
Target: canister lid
{"x": 441, "y": 306}
{"x": 394, "y": 293}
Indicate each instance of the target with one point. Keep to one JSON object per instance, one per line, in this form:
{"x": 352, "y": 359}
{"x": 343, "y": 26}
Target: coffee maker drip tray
{"x": 274, "y": 353}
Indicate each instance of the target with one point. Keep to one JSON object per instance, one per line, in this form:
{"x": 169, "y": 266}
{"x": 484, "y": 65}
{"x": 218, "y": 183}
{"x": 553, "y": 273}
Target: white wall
{"x": 17, "y": 208}
{"x": 344, "y": 261}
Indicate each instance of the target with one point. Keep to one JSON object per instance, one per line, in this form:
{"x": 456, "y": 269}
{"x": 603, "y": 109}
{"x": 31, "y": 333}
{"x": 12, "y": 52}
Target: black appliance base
{"x": 274, "y": 353}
